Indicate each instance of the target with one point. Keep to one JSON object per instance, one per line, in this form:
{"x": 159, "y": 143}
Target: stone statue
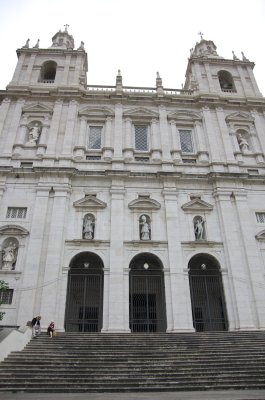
{"x": 199, "y": 230}
{"x": 34, "y": 134}
{"x": 144, "y": 229}
{"x": 243, "y": 144}
{"x": 88, "y": 227}
{"x": 9, "y": 256}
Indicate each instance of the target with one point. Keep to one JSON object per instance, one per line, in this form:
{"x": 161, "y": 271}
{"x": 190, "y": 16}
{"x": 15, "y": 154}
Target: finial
{"x": 81, "y": 47}
{"x": 201, "y": 35}
{"x": 65, "y": 27}
{"x": 119, "y": 72}
{"x": 37, "y": 44}
{"x": 191, "y": 51}
{"x": 26, "y": 45}
{"x": 244, "y": 58}
{"x": 157, "y": 75}
{"x": 234, "y": 56}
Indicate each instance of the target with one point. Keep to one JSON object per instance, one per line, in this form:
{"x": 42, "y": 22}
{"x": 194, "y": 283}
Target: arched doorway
{"x": 207, "y": 295}
{"x": 147, "y": 294}
{"x": 84, "y": 303}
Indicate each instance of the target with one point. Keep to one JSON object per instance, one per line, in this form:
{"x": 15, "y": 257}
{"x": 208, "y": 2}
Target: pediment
{"x": 184, "y": 116}
{"x": 144, "y": 204}
{"x": 197, "y": 205}
{"x": 97, "y": 112}
{"x": 13, "y": 230}
{"x": 240, "y": 117}
{"x": 140, "y": 112}
{"x": 37, "y": 108}
{"x": 90, "y": 202}
{"x": 260, "y": 235}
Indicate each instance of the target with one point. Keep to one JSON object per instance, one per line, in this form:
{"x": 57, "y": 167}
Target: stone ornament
{"x": 88, "y": 227}
{"x": 34, "y": 134}
{"x": 199, "y": 228}
{"x": 243, "y": 144}
{"x": 145, "y": 229}
{"x": 9, "y": 256}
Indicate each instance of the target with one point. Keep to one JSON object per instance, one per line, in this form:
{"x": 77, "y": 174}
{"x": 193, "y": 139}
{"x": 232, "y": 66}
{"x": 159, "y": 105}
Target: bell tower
{"x": 207, "y": 72}
{"x": 60, "y": 65}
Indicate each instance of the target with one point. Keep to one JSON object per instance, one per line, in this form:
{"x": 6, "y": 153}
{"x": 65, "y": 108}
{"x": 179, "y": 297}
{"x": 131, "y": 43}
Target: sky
{"x": 139, "y": 37}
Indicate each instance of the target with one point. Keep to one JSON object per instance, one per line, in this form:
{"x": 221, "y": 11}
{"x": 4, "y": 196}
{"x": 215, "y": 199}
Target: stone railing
{"x": 141, "y": 90}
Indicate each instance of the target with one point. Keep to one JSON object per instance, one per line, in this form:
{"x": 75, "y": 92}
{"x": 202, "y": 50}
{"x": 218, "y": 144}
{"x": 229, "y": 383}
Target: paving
{"x": 201, "y": 395}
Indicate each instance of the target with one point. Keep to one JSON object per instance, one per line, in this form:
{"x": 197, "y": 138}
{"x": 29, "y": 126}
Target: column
{"x": 21, "y": 137}
{"x": 260, "y": 128}
{"x": 28, "y": 73}
{"x": 42, "y": 145}
{"x": 64, "y": 80}
{"x": 70, "y": 128}
{"x": 50, "y": 304}
{"x": 230, "y": 158}
{"x": 209, "y": 78}
{"x": 164, "y": 139}
{"x": 80, "y": 148}
{"x": 181, "y": 318}
{"x": 212, "y": 135}
{"x": 176, "y": 146}
{"x": 203, "y": 154}
{"x": 253, "y": 268}
{"x": 55, "y": 123}
{"x": 105, "y": 322}
{"x": 28, "y": 302}
{"x": 129, "y": 147}
{"x": 17, "y": 73}
{"x": 118, "y": 139}
{"x": 10, "y": 138}
{"x": 117, "y": 310}
{"x": 4, "y": 108}
{"x": 155, "y": 141}
{"x": 240, "y": 313}
{"x": 108, "y": 149}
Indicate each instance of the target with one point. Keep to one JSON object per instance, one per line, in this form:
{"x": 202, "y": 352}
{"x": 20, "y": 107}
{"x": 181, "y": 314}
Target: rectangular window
{"x": 16, "y": 212}
{"x": 26, "y": 164}
{"x": 260, "y": 216}
{"x": 141, "y": 140}
{"x": 6, "y": 296}
{"x": 186, "y": 141}
{"x": 95, "y": 133}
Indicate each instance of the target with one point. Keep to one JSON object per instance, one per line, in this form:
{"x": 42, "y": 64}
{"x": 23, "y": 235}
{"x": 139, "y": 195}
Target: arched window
{"x": 48, "y": 72}
{"x": 226, "y": 82}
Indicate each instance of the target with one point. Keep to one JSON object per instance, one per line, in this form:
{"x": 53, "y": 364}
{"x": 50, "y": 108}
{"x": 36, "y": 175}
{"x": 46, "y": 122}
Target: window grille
{"x": 26, "y": 164}
{"x": 16, "y": 212}
{"x": 91, "y": 158}
{"x": 141, "y": 141}
{"x": 189, "y": 161}
{"x": 6, "y": 296}
{"x": 142, "y": 159}
{"x": 260, "y": 216}
{"x": 186, "y": 141}
{"x": 95, "y": 133}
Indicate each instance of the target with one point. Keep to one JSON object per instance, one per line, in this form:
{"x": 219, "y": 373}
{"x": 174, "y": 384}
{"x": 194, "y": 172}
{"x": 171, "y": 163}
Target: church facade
{"x": 127, "y": 209}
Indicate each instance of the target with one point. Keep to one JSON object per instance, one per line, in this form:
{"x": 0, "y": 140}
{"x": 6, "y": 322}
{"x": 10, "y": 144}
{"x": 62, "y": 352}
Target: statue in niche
{"x": 199, "y": 228}
{"x": 34, "y": 134}
{"x": 243, "y": 144}
{"x": 145, "y": 233}
{"x": 88, "y": 227}
{"x": 9, "y": 256}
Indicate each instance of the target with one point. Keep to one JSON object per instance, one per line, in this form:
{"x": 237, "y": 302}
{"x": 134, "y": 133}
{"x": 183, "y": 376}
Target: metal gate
{"x": 208, "y": 305}
{"x": 84, "y": 301}
{"x": 147, "y": 302}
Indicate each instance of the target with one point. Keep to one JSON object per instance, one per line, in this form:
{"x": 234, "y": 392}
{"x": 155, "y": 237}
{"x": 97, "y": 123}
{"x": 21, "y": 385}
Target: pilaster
{"x": 54, "y": 129}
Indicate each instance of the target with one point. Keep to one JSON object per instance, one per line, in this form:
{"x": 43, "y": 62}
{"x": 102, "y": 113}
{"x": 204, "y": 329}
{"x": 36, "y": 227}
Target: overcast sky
{"x": 139, "y": 37}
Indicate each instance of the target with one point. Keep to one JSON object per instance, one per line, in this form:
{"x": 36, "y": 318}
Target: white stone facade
{"x": 84, "y": 159}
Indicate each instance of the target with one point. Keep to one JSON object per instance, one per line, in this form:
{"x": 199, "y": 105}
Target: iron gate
{"x": 147, "y": 302}
{"x": 84, "y": 302}
{"x": 208, "y": 305}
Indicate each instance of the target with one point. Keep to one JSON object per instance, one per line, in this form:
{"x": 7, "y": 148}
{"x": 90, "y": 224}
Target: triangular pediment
{"x": 260, "y": 235}
{"x": 97, "y": 112}
{"x": 90, "y": 202}
{"x": 13, "y": 230}
{"x": 240, "y": 117}
{"x": 144, "y": 204}
{"x": 140, "y": 112}
{"x": 197, "y": 205}
{"x": 185, "y": 116}
{"x": 37, "y": 108}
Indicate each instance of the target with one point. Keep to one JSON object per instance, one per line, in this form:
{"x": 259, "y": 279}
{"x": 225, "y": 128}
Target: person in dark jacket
{"x": 36, "y": 328}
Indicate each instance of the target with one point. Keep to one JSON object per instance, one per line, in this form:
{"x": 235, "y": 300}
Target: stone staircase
{"x": 88, "y": 362}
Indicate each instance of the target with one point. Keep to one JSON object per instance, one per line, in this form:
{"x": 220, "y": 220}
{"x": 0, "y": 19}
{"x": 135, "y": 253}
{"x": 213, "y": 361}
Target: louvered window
{"x": 186, "y": 141}
{"x": 16, "y": 212}
{"x": 141, "y": 140}
{"x": 95, "y": 133}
